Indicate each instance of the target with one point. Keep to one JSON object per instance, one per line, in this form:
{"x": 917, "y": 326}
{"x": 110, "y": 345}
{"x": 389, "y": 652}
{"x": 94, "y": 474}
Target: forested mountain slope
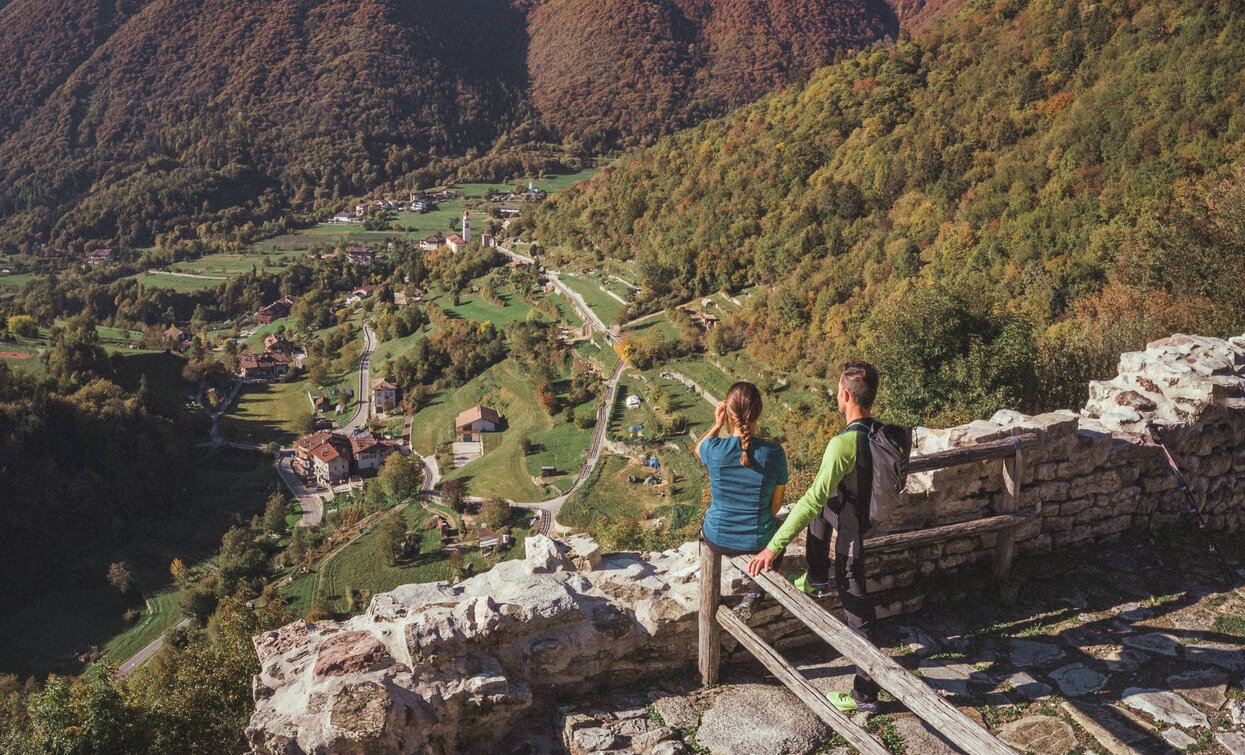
{"x": 125, "y": 120}
{"x": 993, "y": 209}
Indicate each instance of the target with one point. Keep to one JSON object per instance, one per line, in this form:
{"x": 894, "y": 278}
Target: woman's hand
{"x": 719, "y": 413}
{"x": 763, "y": 561}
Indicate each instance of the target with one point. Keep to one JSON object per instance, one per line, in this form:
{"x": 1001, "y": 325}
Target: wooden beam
{"x": 1005, "y": 545}
{"x": 709, "y": 653}
{"x": 995, "y": 449}
{"x": 892, "y": 677}
{"x": 947, "y": 531}
{"x": 799, "y": 686}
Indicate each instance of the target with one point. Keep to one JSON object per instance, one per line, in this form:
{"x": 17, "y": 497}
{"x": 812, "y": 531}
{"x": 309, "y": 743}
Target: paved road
{"x": 551, "y": 508}
{"x": 364, "y": 394}
{"x": 214, "y": 437}
{"x": 575, "y": 299}
{"x": 138, "y": 658}
{"x": 311, "y": 501}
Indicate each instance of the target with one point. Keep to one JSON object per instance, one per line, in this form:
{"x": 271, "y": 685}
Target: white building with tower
{"x": 466, "y": 234}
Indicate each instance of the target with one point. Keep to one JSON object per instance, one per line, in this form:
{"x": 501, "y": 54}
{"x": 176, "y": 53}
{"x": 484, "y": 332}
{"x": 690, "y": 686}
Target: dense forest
{"x": 142, "y": 121}
{"x": 993, "y": 210}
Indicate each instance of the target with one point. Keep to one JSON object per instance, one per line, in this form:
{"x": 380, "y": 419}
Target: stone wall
{"x": 1095, "y": 475}
{"x": 440, "y": 668}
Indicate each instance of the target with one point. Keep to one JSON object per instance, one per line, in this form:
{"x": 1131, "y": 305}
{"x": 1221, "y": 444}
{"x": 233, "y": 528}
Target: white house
{"x": 472, "y": 423}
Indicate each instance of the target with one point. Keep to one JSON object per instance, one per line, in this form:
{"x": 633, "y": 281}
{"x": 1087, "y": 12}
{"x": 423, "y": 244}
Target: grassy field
{"x": 267, "y": 412}
{"x": 16, "y": 280}
{"x": 227, "y": 264}
{"x": 178, "y": 283}
{"x": 160, "y": 615}
{"x": 361, "y": 566}
{"x": 658, "y": 327}
{"x": 567, "y": 310}
{"x": 474, "y": 307}
{"x": 504, "y": 470}
{"x": 561, "y": 447}
{"x": 610, "y": 497}
{"x": 606, "y": 306}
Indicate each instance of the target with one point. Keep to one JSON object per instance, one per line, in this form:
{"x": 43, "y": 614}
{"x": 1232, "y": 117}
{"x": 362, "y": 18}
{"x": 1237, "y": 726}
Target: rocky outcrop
{"x": 440, "y": 668}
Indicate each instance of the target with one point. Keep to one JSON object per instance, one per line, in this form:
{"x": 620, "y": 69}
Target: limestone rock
{"x": 676, "y": 711}
{"x": 351, "y": 652}
{"x": 754, "y": 719}
{"x": 1226, "y": 657}
{"x": 596, "y": 739}
{"x": 541, "y": 555}
{"x": 1077, "y": 679}
{"x": 919, "y": 736}
{"x": 1166, "y": 707}
{"x": 1043, "y": 735}
{"x": 1155, "y": 642}
{"x": 1178, "y": 739}
{"x": 1232, "y": 741}
{"x": 583, "y": 551}
{"x": 1031, "y": 653}
{"x": 1027, "y": 686}
{"x": 1208, "y": 687}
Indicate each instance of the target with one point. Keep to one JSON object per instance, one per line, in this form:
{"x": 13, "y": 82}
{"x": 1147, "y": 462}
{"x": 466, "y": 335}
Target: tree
{"x": 23, "y": 326}
{"x": 454, "y": 495}
{"x": 120, "y": 578}
{"x": 390, "y": 535}
{"x": 494, "y": 513}
{"x": 179, "y": 571}
{"x": 374, "y": 498}
{"x": 401, "y": 477}
{"x": 275, "y": 511}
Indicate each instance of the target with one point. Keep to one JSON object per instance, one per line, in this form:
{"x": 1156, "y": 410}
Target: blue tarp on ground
{"x": 635, "y": 428}
{"x": 653, "y": 462}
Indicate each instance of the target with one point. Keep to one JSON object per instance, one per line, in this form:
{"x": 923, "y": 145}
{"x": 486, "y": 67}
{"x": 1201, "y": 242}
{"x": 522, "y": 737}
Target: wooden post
{"x": 801, "y": 687}
{"x": 895, "y": 679}
{"x": 710, "y": 651}
{"x": 1005, "y": 546}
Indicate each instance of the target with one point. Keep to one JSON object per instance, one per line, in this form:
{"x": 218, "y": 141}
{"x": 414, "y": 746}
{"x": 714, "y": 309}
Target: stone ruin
{"x": 468, "y": 668}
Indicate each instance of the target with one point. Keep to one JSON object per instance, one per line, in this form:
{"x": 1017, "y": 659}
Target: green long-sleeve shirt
{"x": 836, "y": 463}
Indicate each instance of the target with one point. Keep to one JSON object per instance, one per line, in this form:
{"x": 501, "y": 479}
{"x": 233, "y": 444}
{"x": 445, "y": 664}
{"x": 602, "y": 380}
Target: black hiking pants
{"x": 849, "y": 578}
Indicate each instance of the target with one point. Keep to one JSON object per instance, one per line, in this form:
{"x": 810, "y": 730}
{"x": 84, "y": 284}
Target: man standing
{"x": 838, "y": 500}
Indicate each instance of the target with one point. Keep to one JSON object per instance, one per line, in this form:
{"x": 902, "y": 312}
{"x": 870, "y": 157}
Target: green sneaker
{"x": 843, "y": 701}
{"x": 815, "y": 589}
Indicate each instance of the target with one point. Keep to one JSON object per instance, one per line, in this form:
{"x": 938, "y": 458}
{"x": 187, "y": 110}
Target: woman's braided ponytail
{"x": 743, "y": 408}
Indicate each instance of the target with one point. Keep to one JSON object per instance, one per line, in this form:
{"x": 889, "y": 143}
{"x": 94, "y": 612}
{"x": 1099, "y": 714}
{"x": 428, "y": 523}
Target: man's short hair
{"x": 861, "y": 381}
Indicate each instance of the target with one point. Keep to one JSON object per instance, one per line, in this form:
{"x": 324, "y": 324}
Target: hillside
{"x": 132, "y": 122}
{"x": 994, "y": 209}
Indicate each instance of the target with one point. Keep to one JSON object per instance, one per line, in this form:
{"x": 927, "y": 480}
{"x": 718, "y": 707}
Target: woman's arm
{"x": 719, "y": 419}
{"x": 776, "y": 502}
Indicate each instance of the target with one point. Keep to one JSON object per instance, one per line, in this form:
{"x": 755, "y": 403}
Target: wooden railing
{"x": 906, "y": 688}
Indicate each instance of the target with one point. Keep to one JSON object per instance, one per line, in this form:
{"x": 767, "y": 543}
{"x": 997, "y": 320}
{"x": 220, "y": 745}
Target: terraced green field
{"x": 606, "y": 306}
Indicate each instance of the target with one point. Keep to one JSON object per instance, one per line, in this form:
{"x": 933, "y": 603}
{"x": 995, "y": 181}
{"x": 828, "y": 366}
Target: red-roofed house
{"x": 324, "y": 456}
{"x": 369, "y": 451}
{"x": 265, "y": 366}
{"x": 456, "y": 243}
{"x": 432, "y": 243}
{"x": 275, "y": 311}
{"x": 471, "y": 423}
{"x": 278, "y": 345}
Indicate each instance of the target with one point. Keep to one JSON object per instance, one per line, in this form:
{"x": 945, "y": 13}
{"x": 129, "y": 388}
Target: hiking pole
{"x": 1192, "y": 509}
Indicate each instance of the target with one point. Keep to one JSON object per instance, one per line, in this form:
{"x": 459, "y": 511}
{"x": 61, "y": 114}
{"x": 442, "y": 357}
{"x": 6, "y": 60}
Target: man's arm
{"x": 838, "y": 460}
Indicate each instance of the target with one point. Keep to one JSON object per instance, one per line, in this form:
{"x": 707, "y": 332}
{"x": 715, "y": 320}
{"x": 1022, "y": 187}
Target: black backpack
{"x": 882, "y": 453}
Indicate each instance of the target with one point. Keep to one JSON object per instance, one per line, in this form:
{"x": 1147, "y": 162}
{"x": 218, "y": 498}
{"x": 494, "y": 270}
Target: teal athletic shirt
{"x": 739, "y": 516}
